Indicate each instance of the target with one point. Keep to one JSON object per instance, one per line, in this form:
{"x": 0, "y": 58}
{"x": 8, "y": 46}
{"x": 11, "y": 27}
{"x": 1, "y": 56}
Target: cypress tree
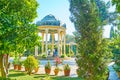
{"x": 92, "y": 48}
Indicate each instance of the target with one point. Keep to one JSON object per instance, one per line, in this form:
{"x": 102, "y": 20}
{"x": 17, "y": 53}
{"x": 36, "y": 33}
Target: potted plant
{"x": 15, "y": 63}
{"x": 36, "y": 66}
{"x": 48, "y": 68}
{"x": 19, "y": 64}
{"x": 66, "y": 70}
{"x": 30, "y": 64}
{"x": 57, "y": 69}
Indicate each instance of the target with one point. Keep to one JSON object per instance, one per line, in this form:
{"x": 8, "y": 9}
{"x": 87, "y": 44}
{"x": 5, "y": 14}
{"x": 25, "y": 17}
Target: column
{"x": 52, "y": 42}
{"x": 58, "y": 42}
{"x": 64, "y": 42}
{"x": 36, "y": 50}
{"x": 42, "y": 43}
{"x": 61, "y": 42}
{"x": 46, "y": 31}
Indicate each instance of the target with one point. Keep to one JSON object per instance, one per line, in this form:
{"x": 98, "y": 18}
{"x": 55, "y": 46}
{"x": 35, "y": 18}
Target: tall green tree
{"x": 115, "y": 40}
{"x": 17, "y": 33}
{"x": 92, "y": 48}
{"x": 117, "y": 4}
{"x": 103, "y": 10}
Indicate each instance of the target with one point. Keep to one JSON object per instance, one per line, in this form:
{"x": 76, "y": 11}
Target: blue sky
{"x": 60, "y": 9}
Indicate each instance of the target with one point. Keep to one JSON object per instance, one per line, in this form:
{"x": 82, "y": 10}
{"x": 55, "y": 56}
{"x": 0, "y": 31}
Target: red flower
{"x": 57, "y": 60}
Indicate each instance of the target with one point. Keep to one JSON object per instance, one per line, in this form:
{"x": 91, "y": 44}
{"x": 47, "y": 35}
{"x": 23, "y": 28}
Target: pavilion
{"x": 50, "y": 25}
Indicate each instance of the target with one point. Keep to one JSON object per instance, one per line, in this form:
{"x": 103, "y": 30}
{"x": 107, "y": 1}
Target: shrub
{"x": 44, "y": 56}
{"x": 30, "y": 63}
{"x": 63, "y": 56}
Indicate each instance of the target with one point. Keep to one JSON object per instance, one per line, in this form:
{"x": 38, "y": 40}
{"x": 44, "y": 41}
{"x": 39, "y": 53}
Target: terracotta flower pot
{"x": 15, "y": 67}
{"x": 66, "y": 72}
{"x": 36, "y": 70}
{"x": 19, "y": 67}
{"x": 47, "y": 71}
{"x": 26, "y": 69}
{"x": 56, "y": 71}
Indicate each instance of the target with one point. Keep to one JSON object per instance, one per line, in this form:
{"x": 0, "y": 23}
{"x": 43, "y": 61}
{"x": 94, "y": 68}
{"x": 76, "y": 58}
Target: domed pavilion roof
{"x": 51, "y": 21}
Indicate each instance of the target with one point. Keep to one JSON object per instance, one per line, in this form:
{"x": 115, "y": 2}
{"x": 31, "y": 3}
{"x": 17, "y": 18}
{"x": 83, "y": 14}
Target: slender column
{"x": 42, "y": 42}
{"x": 58, "y": 42}
{"x": 46, "y": 31}
{"x": 36, "y": 50}
{"x": 52, "y": 42}
{"x": 61, "y": 43}
{"x": 64, "y": 42}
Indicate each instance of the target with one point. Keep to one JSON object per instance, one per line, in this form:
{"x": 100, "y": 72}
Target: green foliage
{"x": 63, "y": 56}
{"x": 57, "y": 68}
{"x": 15, "y": 24}
{"x": 31, "y": 63}
{"x": 66, "y": 67}
{"x": 115, "y": 43}
{"x": 17, "y": 32}
{"x": 117, "y": 68}
{"x": 17, "y": 75}
{"x": 12, "y": 54}
{"x": 117, "y": 3}
{"x": 44, "y": 55}
{"x": 48, "y": 65}
{"x": 103, "y": 10}
{"x": 15, "y": 61}
{"x": 92, "y": 48}
{"x": 71, "y": 54}
{"x": 1, "y": 78}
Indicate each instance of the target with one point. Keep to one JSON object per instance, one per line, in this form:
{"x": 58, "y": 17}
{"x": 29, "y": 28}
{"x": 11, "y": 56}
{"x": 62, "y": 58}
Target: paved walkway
{"x": 112, "y": 73}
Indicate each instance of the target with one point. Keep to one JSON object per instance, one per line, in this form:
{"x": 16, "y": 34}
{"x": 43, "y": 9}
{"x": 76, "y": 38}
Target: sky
{"x": 60, "y": 9}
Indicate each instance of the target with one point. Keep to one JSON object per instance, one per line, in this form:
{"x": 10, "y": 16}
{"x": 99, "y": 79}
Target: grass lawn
{"x": 19, "y": 75}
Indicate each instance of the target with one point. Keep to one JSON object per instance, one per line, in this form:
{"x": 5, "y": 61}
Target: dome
{"x": 64, "y": 25}
{"x": 51, "y": 21}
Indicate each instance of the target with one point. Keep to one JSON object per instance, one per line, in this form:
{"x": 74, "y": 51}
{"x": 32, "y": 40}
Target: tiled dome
{"x": 51, "y": 21}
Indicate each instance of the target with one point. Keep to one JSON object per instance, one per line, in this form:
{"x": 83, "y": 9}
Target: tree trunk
{"x": 3, "y": 68}
{"x": 6, "y": 64}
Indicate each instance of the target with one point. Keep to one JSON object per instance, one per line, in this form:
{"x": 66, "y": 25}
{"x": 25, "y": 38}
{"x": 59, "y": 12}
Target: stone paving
{"x": 112, "y": 73}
